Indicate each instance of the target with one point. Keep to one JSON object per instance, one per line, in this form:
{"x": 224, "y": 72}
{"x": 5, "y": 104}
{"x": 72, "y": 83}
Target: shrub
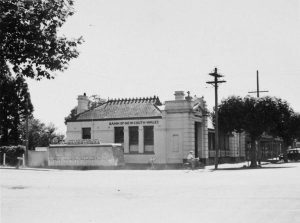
{"x": 12, "y": 152}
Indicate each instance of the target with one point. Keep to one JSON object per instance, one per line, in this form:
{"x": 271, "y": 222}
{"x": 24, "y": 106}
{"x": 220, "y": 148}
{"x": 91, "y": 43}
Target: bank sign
{"x": 147, "y": 122}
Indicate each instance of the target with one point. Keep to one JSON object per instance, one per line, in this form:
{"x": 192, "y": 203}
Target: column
{"x": 205, "y": 153}
{"x": 126, "y": 139}
{"x": 141, "y": 139}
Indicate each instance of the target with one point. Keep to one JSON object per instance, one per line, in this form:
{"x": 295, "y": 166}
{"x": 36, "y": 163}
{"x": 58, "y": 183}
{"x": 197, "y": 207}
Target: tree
{"x": 289, "y": 129}
{"x": 40, "y": 134}
{"x": 231, "y": 113}
{"x": 296, "y": 126}
{"x": 72, "y": 115}
{"x": 254, "y": 116}
{"x": 15, "y": 104}
{"x": 94, "y": 101}
{"x": 29, "y": 41}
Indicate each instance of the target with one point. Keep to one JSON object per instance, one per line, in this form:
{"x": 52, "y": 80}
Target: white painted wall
{"x": 104, "y": 132}
{"x": 174, "y": 134}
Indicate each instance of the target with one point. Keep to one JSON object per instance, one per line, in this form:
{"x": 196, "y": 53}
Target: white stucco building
{"x": 146, "y": 128}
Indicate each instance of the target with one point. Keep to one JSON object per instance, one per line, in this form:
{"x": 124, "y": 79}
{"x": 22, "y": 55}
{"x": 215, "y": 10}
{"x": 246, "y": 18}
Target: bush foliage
{"x": 12, "y": 153}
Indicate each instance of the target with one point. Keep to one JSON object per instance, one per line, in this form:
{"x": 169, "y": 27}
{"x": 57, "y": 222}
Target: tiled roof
{"x": 123, "y": 109}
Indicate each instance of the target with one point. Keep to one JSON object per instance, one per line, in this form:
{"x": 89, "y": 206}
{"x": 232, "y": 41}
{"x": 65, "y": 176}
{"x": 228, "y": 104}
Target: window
{"x": 148, "y": 135}
{"x": 211, "y": 141}
{"x": 86, "y": 133}
{"x": 148, "y": 139}
{"x": 119, "y": 134}
{"x": 133, "y": 139}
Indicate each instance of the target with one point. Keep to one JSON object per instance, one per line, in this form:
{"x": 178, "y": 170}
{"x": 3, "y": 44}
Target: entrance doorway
{"x": 197, "y": 137}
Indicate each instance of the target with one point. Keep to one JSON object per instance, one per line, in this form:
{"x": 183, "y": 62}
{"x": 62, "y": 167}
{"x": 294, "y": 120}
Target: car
{"x": 293, "y": 154}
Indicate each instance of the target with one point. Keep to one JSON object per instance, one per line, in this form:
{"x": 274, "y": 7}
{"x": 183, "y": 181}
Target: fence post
{"x": 4, "y": 159}
{"x": 23, "y": 156}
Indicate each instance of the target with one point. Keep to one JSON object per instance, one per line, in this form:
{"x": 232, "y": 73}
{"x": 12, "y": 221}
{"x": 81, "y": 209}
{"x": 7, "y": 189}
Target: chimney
{"x": 179, "y": 95}
{"x": 83, "y": 103}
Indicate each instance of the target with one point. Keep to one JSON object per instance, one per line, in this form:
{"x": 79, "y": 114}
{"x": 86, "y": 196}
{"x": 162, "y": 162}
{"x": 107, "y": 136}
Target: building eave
{"x": 112, "y": 119}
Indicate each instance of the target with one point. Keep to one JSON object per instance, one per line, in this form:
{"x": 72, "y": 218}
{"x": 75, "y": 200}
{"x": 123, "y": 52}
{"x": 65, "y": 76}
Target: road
{"x": 231, "y": 194}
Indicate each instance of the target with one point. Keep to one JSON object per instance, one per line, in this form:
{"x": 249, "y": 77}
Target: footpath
{"x": 223, "y": 166}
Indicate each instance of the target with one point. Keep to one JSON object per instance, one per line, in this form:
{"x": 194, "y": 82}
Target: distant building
{"x": 231, "y": 146}
{"x": 236, "y": 147}
{"x": 269, "y": 147}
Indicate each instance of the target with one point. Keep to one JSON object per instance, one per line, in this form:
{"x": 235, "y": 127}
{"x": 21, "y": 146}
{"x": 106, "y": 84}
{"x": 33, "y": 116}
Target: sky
{"x": 141, "y": 48}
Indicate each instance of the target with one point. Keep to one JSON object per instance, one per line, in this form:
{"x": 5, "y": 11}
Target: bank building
{"x": 148, "y": 129}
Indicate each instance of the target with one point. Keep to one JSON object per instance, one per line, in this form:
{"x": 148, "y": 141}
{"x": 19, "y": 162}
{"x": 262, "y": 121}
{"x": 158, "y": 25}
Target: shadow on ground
{"x": 14, "y": 168}
{"x": 252, "y": 168}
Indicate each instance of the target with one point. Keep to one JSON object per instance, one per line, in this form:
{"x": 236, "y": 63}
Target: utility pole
{"x": 257, "y": 86}
{"x": 257, "y": 94}
{"x": 215, "y": 83}
{"x": 27, "y": 134}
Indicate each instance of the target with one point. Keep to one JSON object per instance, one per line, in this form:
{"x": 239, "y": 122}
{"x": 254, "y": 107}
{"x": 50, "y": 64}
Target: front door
{"x": 197, "y": 138}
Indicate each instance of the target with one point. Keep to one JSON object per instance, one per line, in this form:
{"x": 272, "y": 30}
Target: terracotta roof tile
{"x": 124, "y": 108}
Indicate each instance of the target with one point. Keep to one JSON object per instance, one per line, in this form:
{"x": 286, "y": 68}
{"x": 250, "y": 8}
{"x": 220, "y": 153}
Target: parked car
{"x": 293, "y": 154}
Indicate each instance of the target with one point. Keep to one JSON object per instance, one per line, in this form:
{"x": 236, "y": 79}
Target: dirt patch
{"x": 17, "y": 187}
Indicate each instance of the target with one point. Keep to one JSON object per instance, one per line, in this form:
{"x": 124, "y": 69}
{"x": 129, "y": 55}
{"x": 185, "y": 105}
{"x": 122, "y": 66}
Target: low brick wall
{"x": 86, "y": 155}
{"x": 37, "y": 158}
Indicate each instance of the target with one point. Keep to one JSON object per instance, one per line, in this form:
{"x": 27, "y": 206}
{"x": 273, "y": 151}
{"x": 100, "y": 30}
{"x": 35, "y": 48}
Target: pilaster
{"x": 126, "y": 139}
{"x": 141, "y": 139}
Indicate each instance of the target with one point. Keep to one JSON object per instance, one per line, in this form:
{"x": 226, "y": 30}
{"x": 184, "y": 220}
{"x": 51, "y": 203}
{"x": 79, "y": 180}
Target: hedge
{"x": 12, "y": 152}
